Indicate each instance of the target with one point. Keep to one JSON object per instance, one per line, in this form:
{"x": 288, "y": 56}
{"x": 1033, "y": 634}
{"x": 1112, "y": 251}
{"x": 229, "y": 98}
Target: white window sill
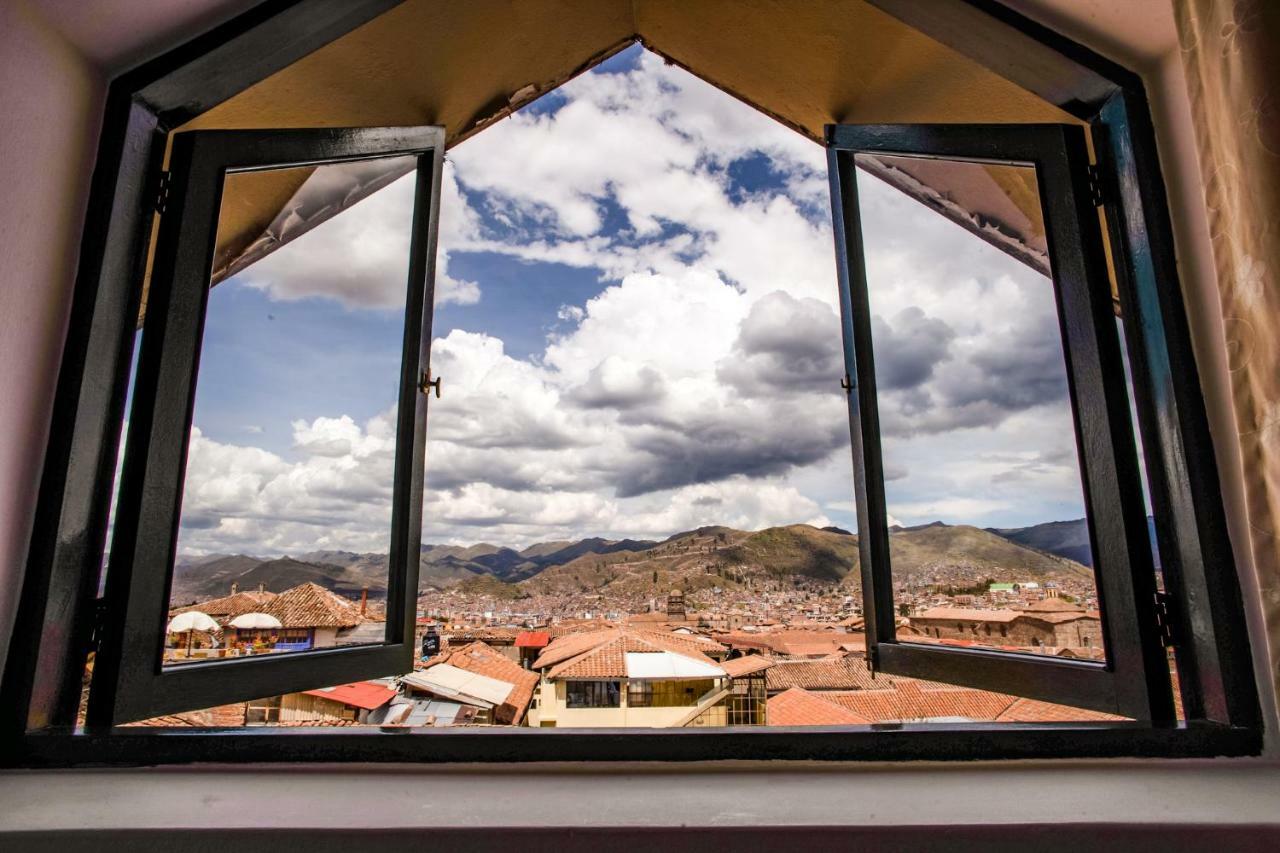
{"x": 1151, "y": 794}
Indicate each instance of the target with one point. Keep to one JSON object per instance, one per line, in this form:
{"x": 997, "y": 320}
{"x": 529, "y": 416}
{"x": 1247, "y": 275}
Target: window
{"x": 1044, "y": 168}
{"x": 593, "y": 694}
{"x": 59, "y": 621}
{"x": 211, "y": 173}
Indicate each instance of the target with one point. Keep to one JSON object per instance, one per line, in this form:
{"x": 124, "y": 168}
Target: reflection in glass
{"x": 989, "y": 545}
{"x": 286, "y": 516}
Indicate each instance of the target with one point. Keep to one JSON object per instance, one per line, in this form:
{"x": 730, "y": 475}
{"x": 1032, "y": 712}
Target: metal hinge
{"x": 1097, "y": 190}
{"x": 1164, "y": 618}
{"x": 99, "y": 623}
{"x": 162, "y": 193}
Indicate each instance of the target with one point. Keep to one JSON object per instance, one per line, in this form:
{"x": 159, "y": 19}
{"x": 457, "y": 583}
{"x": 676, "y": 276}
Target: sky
{"x": 637, "y": 326}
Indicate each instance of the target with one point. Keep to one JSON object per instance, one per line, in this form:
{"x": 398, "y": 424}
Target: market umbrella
{"x": 250, "y": 621}
{"x": 189, "y": 622}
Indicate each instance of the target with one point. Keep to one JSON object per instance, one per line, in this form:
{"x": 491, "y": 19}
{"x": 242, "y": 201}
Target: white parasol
{"x": 250, "y": 621}
{"x": 192, "y": 620}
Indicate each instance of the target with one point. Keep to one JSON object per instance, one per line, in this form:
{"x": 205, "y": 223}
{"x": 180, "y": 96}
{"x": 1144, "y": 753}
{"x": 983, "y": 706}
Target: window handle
{"x": 427, "y": 383}
{"x": 846, "y": 383}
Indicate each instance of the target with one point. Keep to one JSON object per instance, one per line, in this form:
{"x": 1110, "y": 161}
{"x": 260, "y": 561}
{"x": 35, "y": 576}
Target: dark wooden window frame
{"x": 1133, "y": 681}
{"x": 54, "y": 628}
{"x": 129, "y": 682}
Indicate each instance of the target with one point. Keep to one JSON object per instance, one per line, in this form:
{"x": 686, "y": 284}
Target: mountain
{"x": 1068, "y": 539}
{"x": 696, "y": 559}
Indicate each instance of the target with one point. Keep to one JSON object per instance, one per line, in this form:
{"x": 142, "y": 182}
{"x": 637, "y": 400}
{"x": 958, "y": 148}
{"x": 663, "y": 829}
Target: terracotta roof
{"x": 563, "y": 648}
{"x": 966, "y": 614}
{"x": 797, "y": 707}
{"x": 909, "y": 699}
{"x": 1061, "y": 616}
{"x": 1035, "y": 711}
{"x": 532, "y": 639}
{"x": 746, "y": 665}
{"x": 798, "y": 643}
{"x": 602, "y": 654}
{"x": 229, "y": 606}
{"x": 482, "y": 659}
{"x": 222, "y": 716}
{"x": 500, "y": 636}
{"x": 310, "y": 605}
{"x": 361, "y": 694}
{"x": 825, "y": 674}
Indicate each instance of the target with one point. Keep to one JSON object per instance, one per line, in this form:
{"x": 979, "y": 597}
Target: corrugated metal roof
{"x": 472, "y": 688}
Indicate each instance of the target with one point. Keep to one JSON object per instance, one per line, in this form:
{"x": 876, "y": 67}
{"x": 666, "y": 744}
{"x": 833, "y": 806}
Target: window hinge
{"x": 99, "y": 623}
{"x": 1164, "y": 618}
{"x": 162, "y": 192}
{"x": 1097, "y": 189}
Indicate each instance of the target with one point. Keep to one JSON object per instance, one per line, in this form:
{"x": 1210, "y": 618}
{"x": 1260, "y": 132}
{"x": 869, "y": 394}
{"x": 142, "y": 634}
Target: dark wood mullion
{"x": 148, "y": 506}
{"x": 888, "y": 742}
{"x": 1195, "y": 550}
{"x": 1117, "y": 515}
{"x": 864, "y": 417}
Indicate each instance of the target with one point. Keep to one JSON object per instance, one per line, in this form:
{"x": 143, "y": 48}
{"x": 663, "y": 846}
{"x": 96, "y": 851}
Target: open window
{"x": 204, "y": 238}
{"x": 1031, "y": 185}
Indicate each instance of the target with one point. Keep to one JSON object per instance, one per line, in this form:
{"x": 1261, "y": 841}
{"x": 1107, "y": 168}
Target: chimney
{"x": 364, "y": 600}
{"x": 262, "y": 587}
{"x": 235, "y": 587}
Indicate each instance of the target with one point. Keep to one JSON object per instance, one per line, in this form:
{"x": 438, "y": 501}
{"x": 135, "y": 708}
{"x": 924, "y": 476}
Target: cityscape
{"x": 710, "y": 627}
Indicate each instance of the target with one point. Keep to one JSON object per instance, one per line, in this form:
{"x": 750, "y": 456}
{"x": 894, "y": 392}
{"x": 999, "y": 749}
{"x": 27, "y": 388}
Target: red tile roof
{"x": 746, "y": 665}
{"x": 361, "y": 694}
{"x": 482, "y": 659}
{"x": 824, "y": 674}
{"x": 310, "y": 605}
{"x": 798, "y": 707}
{"x": 602, "y": 654}
{"x": 532, "y": 639}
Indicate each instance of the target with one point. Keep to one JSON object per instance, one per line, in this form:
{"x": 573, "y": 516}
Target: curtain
{"x": 1231, "y": 54}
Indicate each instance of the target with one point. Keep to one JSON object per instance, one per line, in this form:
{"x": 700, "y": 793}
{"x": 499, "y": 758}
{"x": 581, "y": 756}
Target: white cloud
{"x": 699, "y": 386}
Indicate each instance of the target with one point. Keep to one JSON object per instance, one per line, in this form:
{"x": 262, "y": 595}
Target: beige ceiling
{"x": 464, "y": 65}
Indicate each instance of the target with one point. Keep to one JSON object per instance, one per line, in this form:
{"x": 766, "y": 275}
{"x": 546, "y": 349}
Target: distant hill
{"x": 696, "y": 559}
{"x": 1068, "y": 539}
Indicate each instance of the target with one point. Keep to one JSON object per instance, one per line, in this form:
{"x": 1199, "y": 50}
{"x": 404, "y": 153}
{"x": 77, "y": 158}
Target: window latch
{"x": 847, "y": 384}
{"x": 1097, "y": 189}
{"x": 1164, "y": 618}
{"x": 426, "y": 383}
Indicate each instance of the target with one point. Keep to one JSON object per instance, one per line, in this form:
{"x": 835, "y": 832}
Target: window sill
{"x": 1149, "y": 797}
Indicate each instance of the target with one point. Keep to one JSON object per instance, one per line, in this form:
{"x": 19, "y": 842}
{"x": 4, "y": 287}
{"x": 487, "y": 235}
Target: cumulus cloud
{"x": 699, "y": 385}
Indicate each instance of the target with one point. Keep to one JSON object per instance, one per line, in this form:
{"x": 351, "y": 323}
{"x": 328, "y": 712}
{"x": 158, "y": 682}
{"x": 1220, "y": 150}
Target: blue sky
{"x": 638, "y": 333}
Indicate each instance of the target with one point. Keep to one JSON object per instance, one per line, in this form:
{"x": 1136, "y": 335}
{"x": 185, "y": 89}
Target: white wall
{"x": 50, "y": 108}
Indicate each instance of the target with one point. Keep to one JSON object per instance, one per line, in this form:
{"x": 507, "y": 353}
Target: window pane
{"x": 989, "y": 545}
{"x": 286, "y": 513}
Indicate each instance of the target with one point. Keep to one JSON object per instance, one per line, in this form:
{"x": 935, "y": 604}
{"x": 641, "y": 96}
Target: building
{"x": 632, "y": 677}
{"x": 1052, "y": 622}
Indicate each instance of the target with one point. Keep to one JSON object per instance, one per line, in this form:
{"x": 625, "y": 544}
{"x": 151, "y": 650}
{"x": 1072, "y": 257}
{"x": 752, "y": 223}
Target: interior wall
{"x": 50, "y": 111}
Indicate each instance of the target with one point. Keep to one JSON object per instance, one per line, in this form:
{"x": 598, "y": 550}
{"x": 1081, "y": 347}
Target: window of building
{"x": 593, "y": 694}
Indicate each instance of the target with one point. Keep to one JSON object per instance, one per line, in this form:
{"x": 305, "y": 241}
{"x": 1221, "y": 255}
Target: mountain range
{"x": 695, "y": 559}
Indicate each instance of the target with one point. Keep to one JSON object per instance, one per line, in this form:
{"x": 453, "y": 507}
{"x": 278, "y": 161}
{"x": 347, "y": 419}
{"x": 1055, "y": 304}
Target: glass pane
{"x": 989, "y": 544}
{"x": 286, "y": 514}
